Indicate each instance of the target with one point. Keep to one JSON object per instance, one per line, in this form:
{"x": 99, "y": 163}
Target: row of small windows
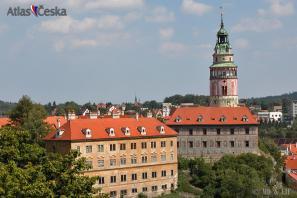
{"x": 221, "y": 119}
{"x": 124, "y": 192}
{"x": 123, "y": 146}
{"x": 218, "y": 131}
{"x": 218, "y": 144}
{"x": 123, "y": 160}
{"x": 134, "y": 176}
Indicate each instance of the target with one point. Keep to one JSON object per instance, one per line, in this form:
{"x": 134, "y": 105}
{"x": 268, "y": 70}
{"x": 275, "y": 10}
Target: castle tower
{"x": 223, "y": 73}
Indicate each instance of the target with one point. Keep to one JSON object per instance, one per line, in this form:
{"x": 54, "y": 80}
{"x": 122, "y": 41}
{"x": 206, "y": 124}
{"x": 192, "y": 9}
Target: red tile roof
{"x": 291, "y": 162}
{"x": 212, "y": 116}
{"x": 4, "y": 121}
{"x": 291, "y": 147}
{"x": 73, "y": 128}
{"x": 52, "y": 120}
{"x": 293, "y": 176}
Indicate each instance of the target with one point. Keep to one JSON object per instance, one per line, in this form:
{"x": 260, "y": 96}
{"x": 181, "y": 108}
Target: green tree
{"x": 30, "y": 116}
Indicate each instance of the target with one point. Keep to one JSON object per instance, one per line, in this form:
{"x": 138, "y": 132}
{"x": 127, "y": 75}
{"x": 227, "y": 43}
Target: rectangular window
{"x": 133, "y": 146}
{"x": 232, "y": 144}
{"x": 112, "y": 147}
{"x": 204, "y": 143}
{"x": 134, "y": 176}
{"x": 153, "y": 145}
{"x": 89, "y": 149}
{"x": 154, "y": 188}
{"x": 123, "y": 161}
{"x": 232, "y": 131}
{"x": 144, "y": 175}
{"x": 247, "y": 131}
{"x": 247, "y": 144}
{"x": 101, "y": 180}
{"x": 177, "y": 144}
{"x": 171, "y": 156}
{"x": 144, "y": 159}
{"x": 123, "y": 178}
{"x": 133, "y": 160}
{"x": 154, "y": 158}
{"x": 144, "y": 189}
{"x": 163, "y": 143}
{"x": 100, "y": 148}
{"x": 190, "y": 131}
{"x": 113, "y": 162}
{"x": 154, "y": 174}
{"x": 123, "y": 193}
{"x": 163, "y": 157}
{"x": 164, "y": 187}
{"x": 143, "y": 145}
{"x": 78, "y": 148}
{"x": 113, "y": 194}
{"x": 113, "y": 179}
{"x": 218, "y": 131}
{"x": 89, "y": 163}
{"x": 218, "y": 144}
{"x": 134, "y": 190}
{"x": 172, "y": 172}
{"x": 191, "y": 144}
{"x": 122, "y": 147}
{"x": 100, "y": 163}
{"x": 204, "y": 131}
{"x": 163, "y": 173}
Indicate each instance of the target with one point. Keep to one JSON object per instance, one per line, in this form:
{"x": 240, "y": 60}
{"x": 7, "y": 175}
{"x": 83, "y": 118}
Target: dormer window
{"x": 111, "y": 132}
{"x": 222, "y": 118}
{"x": 161, "y": 129}
{"x": 142, "y": 130}
{"x": 200, "y": 118}
{"x": 126, "y": 130}
{"x": 59, "y": 133}
{"x": 245, "y": 118}
{"x": 87, "y": 132}
{"x": 178, "y": 119}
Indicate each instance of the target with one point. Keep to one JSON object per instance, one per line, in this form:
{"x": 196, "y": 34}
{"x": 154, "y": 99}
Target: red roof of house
{"x": 73, "y": 128}
{"x": 293, "y": 176}
{"x": 212, "y": 116}
{"x": 291, "y": 147}
{"x": 52, "y": 120}
{"x": 291, "y": 162}
{"x": 4, "y": 121}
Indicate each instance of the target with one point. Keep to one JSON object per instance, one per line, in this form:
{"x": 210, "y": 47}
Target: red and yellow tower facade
{"x": 223, "y": 73}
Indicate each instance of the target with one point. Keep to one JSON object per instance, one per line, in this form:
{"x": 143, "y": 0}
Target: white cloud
{"x": 195, "y": 7}
{"x": 110, "y": 22}
{"x": 172, "y": 48}
{"x": 166, "y": 33}
{"x": 68, "y": 24}
{"x": 241, "y": 43}
{"x": 160, "y": 15}
{"x": 257, "y": 24}
{"x": 77, "y": 43}
{"x": 282, "y": 8}
{"x": 114, "y": 4}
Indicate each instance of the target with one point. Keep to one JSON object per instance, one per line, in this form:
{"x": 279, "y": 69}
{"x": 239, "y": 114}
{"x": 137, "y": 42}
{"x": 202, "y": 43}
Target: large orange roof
{"x": 73, "y": 128}
{"x": 291, "y": 162}
{"x": 53, "y": 120}
{"x": 4, "y": 121}
{"x": 212, "y": 116}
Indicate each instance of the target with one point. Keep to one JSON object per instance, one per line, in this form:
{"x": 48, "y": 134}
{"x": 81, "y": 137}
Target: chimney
{"x": 123, "y": 110}
{"x": 149, "y": 114}
{"x": 58, "y": 123}
{"x": 290, "y": 147}
{"x": 71, "y": 115}
{"x": 137, "y": 116}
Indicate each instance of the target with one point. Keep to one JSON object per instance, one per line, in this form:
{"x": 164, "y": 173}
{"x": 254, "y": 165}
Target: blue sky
{"x": 111, "y": 50}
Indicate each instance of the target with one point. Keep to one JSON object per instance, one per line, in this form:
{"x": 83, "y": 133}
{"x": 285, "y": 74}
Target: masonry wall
{"x": 100, "y": 158}
{"x": 205, "y": 141}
